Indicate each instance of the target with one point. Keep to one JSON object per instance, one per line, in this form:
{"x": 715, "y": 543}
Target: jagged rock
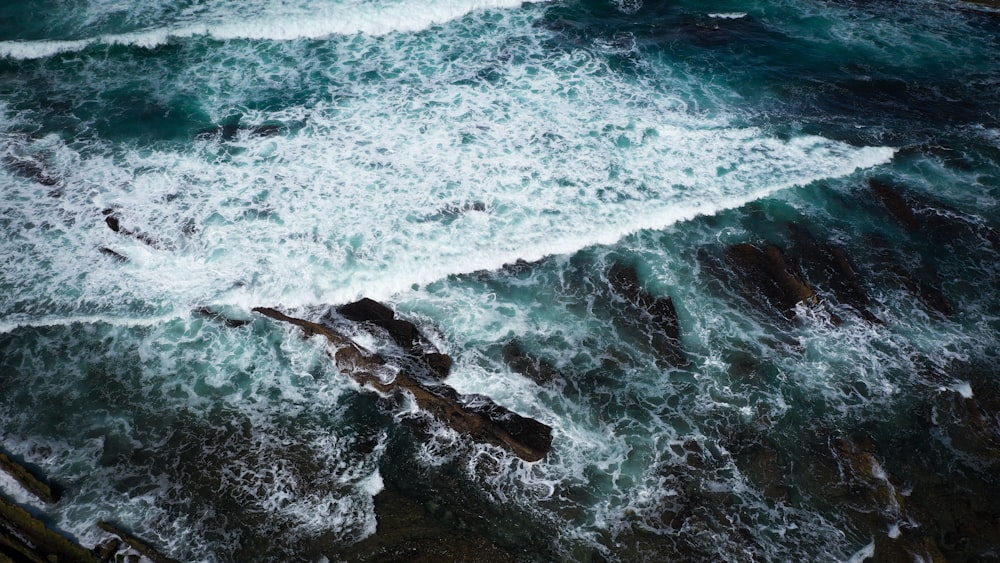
{"x": 404, "y": 333}
{"x": 368, "y": 310}
{"x": 828, "y": 266}
{"x": 768, "y": 278}
{"x": 658, "y": 311}
{"x": 29, "y": 480}
{"x": 535, "y": 369}
{"x": 475, "y": 416}
{"x": 113, "y": 221}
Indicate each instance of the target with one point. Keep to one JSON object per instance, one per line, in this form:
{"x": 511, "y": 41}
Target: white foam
{"x": 268, "y": 21}
{"x": 728, "y": 15}
{"x": 963, "y": 388}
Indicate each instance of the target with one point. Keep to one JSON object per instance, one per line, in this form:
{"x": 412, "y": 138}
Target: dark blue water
{"x": 813, "y": 185}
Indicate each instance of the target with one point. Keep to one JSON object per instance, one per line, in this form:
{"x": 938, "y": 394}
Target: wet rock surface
{"x": 475, "y": 416}
{"x": 655, "y": 314}
{"x": 767, "y": 279}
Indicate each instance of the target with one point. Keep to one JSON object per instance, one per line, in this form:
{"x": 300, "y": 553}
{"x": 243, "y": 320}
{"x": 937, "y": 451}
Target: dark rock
{"x": 439, "y": 363}
{"x": 929, "y": 295}
{"x": 107, "y": 549}
{"x": 367, "y": 310}
{"x": 828, "y": 266}
{"x": 31, "y": 169}
{"x": 768, "y": 280}
{"x": 898, "y": 206}
{"x": 108, "y": 252}
{"x": 404, "y": 333}
{"x": 536, "y": 369}
{"x": 113, "y": 221}
{"x": 659, "y": 312}
{"x": 408, "y": 532}
{"x": 475, "y": 416}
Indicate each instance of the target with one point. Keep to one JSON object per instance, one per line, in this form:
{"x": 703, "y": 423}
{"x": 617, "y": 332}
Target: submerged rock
{"x": 768, "y": 279}
{"x": 536, "y": 369}
{"x": 211, "y": 314}
{"x": 893, "y": 199}
{"x": 475, "y": 416}
{"x": 828, "y": 266}
{"x": 930, "y": 296}
{"x": 31, "y": 169}
{"x": 657, "y": 313}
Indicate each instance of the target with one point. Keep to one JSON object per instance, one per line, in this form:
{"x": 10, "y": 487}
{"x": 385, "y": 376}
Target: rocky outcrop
{"x": 474, "y": 416}
{"x": 657, "y": 313}
{"x": 828, "y": 267}
{"x": 30, "y": 168}
{"x": 213, "y": 315}
{"x": 113, "y": 221}
{"x": 926, "y": 292}
{"x": 419, "y": 352}
{"x": 768, "y": 280}
{"x": 536, "y": 369}
{"x": 27, "y": 479}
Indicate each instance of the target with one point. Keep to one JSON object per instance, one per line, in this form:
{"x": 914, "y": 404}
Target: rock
{"x": 929, "y": 295}
{"x": 475, "y": 416}
{"x": 31, "y": 169}
{"x": 898, "y": 206}
{"x": 107, "y": 549}
{"x": 408, "y": 532}
{"x": 27, "y": 479}
{"x": 768, "y": 279}
{"x": 828, "y": 266}
{"x": 108, "y": 252}
{"x": 439, "y": 363}
{"x": 535, "y": 369}
{"x": 658, "y": 311}
{"x": 367, "y": 310}
{"x": 113, "y": 221}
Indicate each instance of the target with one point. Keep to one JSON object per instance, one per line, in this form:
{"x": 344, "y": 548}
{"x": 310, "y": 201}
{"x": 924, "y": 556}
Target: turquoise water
{"x": 481, "y": 166}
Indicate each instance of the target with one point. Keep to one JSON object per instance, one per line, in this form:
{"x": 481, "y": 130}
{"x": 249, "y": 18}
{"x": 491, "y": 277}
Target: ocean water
{"x": 481, "y": 166}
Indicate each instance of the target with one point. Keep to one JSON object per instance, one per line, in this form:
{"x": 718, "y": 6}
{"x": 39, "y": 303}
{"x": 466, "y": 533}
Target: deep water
{"x": 813, "y": 184}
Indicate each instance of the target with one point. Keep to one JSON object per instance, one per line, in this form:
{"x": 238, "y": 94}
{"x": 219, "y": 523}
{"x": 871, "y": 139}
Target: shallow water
{"x": 482, "y": 166}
